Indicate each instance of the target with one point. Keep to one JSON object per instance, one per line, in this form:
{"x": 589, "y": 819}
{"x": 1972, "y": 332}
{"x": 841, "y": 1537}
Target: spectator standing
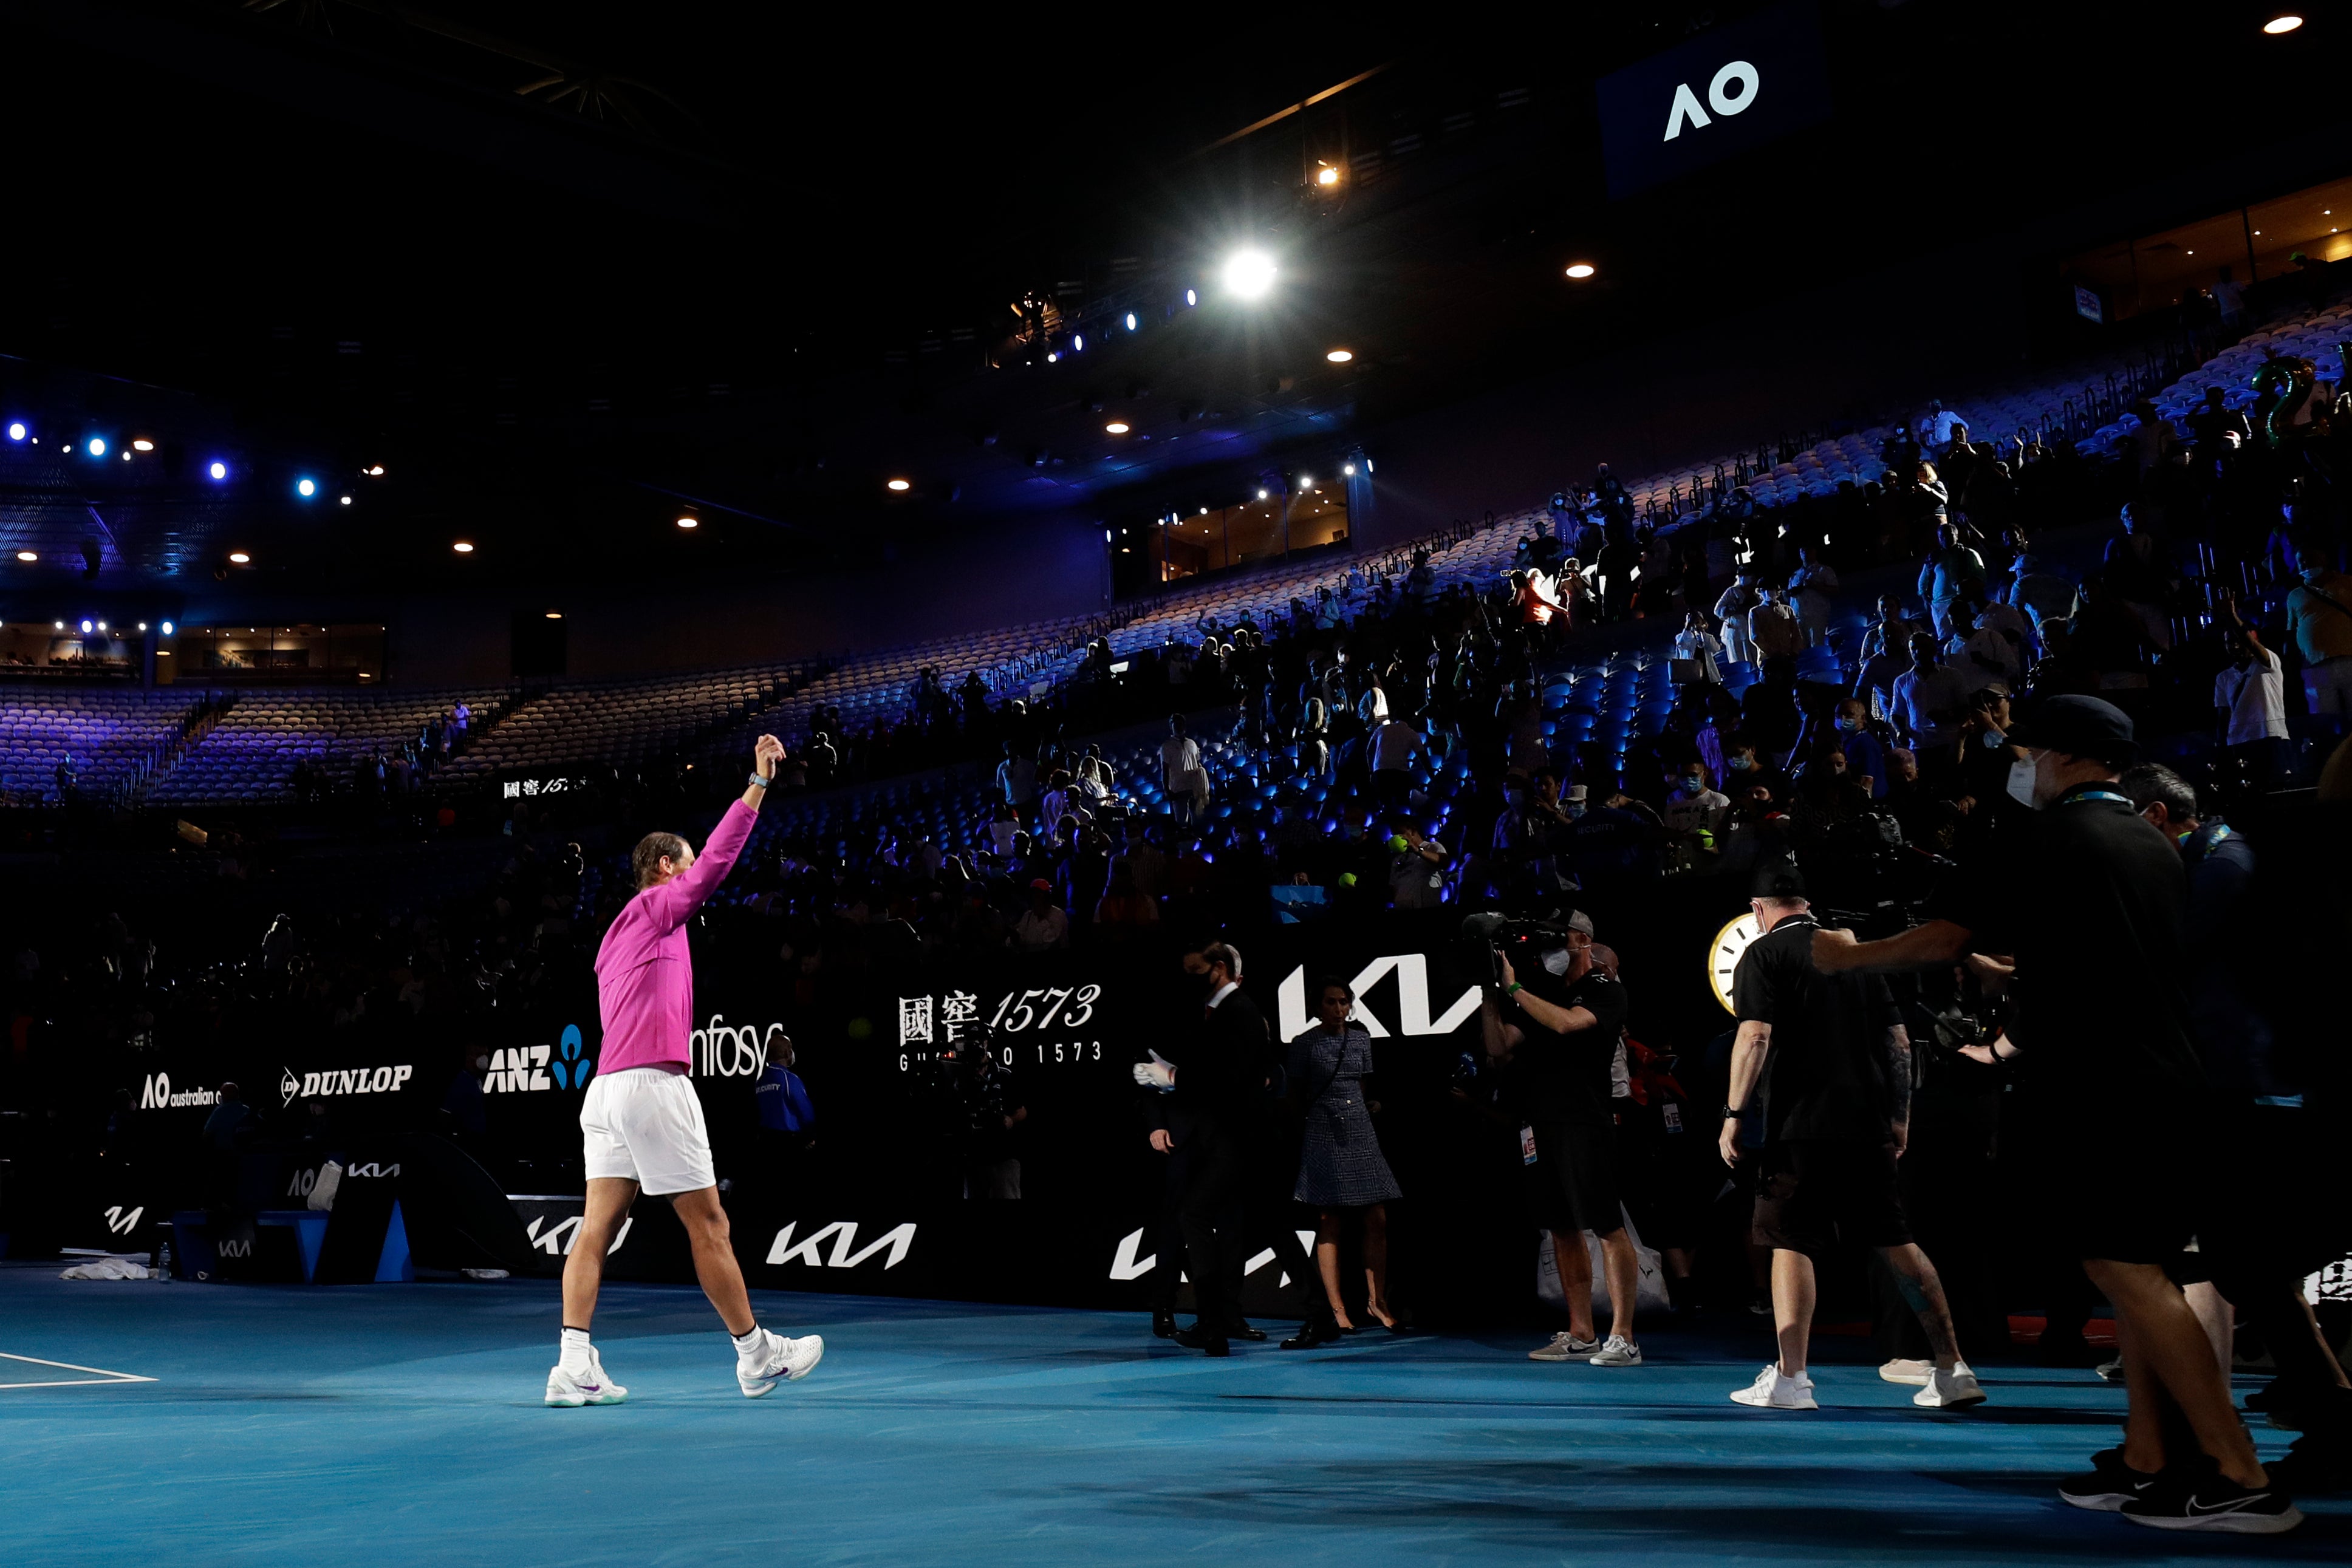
{"x": 1815, "y": 585}
{"x": 2319, "y": 613}
{"x": 2250, "y": 693}
{"x": 1341, "y": 1172}
{"x": 1928, "y": 698}
{"x": 1043, "y": 926}
{"x": 1731, "y": 610}
{"x": 1951, "y": 571}
{"x": 1180, "y": 763}
{"x": 1696, "y": 651}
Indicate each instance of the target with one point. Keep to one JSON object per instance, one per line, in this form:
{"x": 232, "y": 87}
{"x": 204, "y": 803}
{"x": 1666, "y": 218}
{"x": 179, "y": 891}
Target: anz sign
{"x": 1729, "y": 91}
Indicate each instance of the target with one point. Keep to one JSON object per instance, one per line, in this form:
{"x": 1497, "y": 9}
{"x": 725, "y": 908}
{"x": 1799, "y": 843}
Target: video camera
{"x": 1487, "y": 937}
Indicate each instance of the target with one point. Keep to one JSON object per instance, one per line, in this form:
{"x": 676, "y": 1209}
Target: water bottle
{"x": 164, "y": 1259}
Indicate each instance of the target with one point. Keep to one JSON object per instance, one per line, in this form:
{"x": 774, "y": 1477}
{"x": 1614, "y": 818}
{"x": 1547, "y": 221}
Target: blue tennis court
{"x": 400, "y": 1425}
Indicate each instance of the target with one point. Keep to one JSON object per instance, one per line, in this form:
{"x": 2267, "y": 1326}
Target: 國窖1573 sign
{"x": 1730, "y": 90}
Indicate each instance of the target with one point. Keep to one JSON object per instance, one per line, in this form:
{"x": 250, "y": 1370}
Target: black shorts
{"x": 1813, "y": 1193}
{"x": 1572, "y": 1185}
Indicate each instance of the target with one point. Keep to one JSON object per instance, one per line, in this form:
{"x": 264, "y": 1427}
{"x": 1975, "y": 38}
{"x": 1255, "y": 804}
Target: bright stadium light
{"x": 1341, "y": 356}
{"x": 85, "y": 626}
{"x": 142, "y": 444}
{"x": 2285, "y": 23}
{"x": 97, "y": 446}
{"x": 689, "y": 520}
{"x": 1130, "y": 320}
{"x": 1192, "y": 296}
{"x": 1078, "y": 344}
{"x": 306, "y": 488}
{"x": 1249, "y": 274}
{"x": 17, "y": 430}
{"x": 218, "y": 470}
{"x": 238, "y": 558}
{"x": 902, "y": 484}
{"x": 167, "y": 627}
{"x": 463, "y": 547}
{"x": 1116, "y": 427}
{"x": 1327, "y": 176}
{"x": 1580, "y": 270}
{"x": 28, "y": 557}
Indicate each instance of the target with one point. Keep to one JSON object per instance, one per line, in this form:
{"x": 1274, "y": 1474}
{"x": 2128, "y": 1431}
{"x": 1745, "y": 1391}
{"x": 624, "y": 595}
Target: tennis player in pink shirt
{"x": 641, "y": 1122}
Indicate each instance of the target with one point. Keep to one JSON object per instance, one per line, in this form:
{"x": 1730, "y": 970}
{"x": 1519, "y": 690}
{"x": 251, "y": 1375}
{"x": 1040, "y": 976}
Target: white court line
{"x": 103, "y": 1377}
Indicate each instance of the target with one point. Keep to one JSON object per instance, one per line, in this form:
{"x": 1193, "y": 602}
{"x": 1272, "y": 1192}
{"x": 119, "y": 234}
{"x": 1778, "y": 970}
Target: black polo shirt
{"x": 2091, "y": 900}
{"x": 1565, "y": 1077}
{"x": 1826, "y": 1075}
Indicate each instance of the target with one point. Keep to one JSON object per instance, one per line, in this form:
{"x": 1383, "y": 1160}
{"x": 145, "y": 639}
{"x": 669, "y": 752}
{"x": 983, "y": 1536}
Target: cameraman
{"x": 1562, "y": 1043}
{"x": 2089, "y": 904}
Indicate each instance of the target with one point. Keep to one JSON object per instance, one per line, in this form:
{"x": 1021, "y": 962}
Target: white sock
{"x": 748, "y": 1345}
{"x": 575, "y": 1352}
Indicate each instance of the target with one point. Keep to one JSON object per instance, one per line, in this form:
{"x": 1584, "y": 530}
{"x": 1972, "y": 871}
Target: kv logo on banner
{"x": 528, "y": 1069}
{"x": 159, "y": 1094}
{"x": 560, "y": 1237}
{"x": 1126, "y": 1265}
{"x": 1413, "y": 999}
{"x": 342, "y": 1081}
{"x": 843, "y": 1233}
{"x": 721, "y": 1051}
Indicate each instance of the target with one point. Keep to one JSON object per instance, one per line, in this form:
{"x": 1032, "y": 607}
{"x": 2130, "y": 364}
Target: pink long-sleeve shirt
{"x": 644, "y": 975}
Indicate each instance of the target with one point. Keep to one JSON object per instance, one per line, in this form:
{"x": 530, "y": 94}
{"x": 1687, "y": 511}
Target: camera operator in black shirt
{"x": 2088, "y": 905}
{"x": 1836, "y": 1109}
{"x": 1562, "y": 1044}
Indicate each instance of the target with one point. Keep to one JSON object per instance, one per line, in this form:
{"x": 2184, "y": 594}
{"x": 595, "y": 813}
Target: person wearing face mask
{"x": 1557, "y": 1028}
{"x": 1731, "y": 610}
{"x": 1865, "y": 757}
{"x": 1692, "y": 806}
{"x": 2087, "y": 906}
{"x": 1773, "y": 630}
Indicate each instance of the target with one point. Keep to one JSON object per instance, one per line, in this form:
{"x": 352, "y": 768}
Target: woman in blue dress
{"x": 1341, "y": 1168}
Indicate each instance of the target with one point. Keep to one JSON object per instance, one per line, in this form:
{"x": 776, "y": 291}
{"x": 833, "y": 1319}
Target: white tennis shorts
{"x": 644, "y": 1124}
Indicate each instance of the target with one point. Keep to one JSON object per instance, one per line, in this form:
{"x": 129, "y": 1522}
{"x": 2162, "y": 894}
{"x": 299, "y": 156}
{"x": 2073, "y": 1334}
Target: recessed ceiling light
{"x": 689, "y": 520}
{"x": 143, "y": 444}
{"x": 1341, "y": 356}
{"x": 463, "y": 547}
{"x": 1579, "y": 269}
{"x": 238, "y": 558}
{"x": 1116, "y": 427}
{"x": 555, "y": 615}
{"x": 26, "y": 555}
{"x": 902, "y": 484}
{"x": 2285, "y": 23}
{"x": 1327, "y": 177}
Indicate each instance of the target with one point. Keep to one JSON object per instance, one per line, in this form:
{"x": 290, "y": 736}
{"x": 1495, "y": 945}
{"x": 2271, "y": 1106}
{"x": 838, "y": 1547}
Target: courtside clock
{"x": 1723, "y": 956}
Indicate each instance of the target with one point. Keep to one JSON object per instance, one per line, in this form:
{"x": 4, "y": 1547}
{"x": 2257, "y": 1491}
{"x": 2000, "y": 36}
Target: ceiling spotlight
{"x": 2287, "y": 23}
{"x": 1341, "y": 356}
{"x": 1249, "y": 274}
{"x": 1053, "y": 358}
{"x": 26, "y": 555}
{"x": 1116, "y": 427}
{"x": 464, "y": 547}
{"x": 17, "y": 430}
{"x": 1261, "y": 496}
{"x": 60, "y": 625}
{"x": 1192, "y": 296}
{"x": 555, "y": 615}
{"x": 140, "y": 443}
{"x": 167, "y": 627}
{"x": 306, "y": 489}
{"x": 1327, "y": 176}
{"x": 689, "y": 520}
{"x": 142, "y": 625}
{"x": 1130, "y": 320}
{"x": 101, "y": 625}
{"x": 1078, "y": 344}
{"x": 346, "y": 500}
{"x": 97, "y": 446}
{"x": 373, "y": 470}
{"x": 218, "y": 470}
{"x": 1349, "y": 470}
{"x": 902, "y": 484}
{"x": 85, "y": 626}
{"x": 238, "y": 558}
{"x": 1579, "y": 269}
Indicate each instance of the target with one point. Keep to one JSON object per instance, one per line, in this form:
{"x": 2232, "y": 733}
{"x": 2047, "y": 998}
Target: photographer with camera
{"x": 1837, "y": 1111}
{"x": 1560, "y": 1041}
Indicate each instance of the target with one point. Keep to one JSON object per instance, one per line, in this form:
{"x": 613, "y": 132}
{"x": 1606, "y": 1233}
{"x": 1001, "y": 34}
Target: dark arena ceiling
{"x": 564, "y": 272}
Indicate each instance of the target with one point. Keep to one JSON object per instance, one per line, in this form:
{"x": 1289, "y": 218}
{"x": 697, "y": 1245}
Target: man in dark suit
{"x": 1215, "y": 1111}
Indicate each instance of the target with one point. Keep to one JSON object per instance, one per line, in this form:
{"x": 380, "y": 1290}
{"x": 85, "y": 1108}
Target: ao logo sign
{"x": 159, "y": 1094}
{"x": 740, "y": 1052}
{"x": 1719, "y": 95}
{"x": 1413, "y": 999}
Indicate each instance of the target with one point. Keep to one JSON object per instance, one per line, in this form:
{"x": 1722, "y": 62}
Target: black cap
{"x": 1776, "y": 879}
{"x": 2078, "y": 726}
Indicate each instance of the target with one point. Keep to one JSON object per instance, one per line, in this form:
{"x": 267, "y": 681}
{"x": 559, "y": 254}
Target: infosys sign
{"x": 1728, "y": 91}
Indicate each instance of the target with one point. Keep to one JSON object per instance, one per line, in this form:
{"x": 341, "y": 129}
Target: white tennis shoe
{"x": 1906, "y": 1370}
{"x": 1773, "y": 1391}
{"x": 589, "y": 1387}
{"x": 1954, "y": 1390}
{"x": 779, "y": 1360}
